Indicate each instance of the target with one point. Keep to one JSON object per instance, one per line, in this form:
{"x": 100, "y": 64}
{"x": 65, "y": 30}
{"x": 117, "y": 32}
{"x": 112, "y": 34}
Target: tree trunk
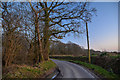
{"x": 9, "y": 52}
{"x": 35, "y": 49}
{"x": 46, "y": 37}
{"x": 46, "y": 50}
{"x": 41, "y": 58}
{"x": 40, "y": 55}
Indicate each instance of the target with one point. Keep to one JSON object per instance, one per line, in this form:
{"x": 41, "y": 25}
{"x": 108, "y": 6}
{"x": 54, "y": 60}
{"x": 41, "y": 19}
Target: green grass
{"x": 118, "y": 56}
{"x": 24, "y": 71}
{"x": 94, "y": 55}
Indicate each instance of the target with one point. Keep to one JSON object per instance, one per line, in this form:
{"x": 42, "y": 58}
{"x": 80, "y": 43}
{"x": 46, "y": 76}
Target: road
{"x": 71, "y": 70}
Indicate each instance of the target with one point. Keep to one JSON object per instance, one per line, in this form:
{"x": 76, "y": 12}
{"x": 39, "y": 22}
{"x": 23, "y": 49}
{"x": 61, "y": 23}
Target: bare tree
{"x": 12, "y": 32}
{"x": 61, "y": 18}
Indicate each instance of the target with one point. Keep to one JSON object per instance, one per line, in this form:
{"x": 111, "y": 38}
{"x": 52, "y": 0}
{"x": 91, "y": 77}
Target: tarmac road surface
{"x": 71, "y": 70}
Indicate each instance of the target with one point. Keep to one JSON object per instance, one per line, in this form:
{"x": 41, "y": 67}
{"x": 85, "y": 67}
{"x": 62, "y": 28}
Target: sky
{"x": 103, "y": 30}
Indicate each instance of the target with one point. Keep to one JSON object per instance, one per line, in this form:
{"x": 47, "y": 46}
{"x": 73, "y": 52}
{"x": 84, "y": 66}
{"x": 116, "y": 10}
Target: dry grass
{"x": 25, "y": 71}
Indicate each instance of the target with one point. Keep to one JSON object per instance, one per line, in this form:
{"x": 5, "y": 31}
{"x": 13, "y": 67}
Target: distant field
{"x": 65, "y": 55}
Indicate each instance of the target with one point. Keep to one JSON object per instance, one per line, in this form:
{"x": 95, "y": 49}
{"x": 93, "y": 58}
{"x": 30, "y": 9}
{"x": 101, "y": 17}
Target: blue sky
{"x": 103, "y": 30}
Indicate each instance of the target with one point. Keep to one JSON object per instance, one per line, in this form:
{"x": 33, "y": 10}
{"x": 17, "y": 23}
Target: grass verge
{"x": 97, "y": 69}
{"x": 25, "y": 71}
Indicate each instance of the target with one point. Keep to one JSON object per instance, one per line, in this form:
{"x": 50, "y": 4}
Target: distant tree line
{"x": 59, "y": 48}
{"x": 70, "y": 48}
